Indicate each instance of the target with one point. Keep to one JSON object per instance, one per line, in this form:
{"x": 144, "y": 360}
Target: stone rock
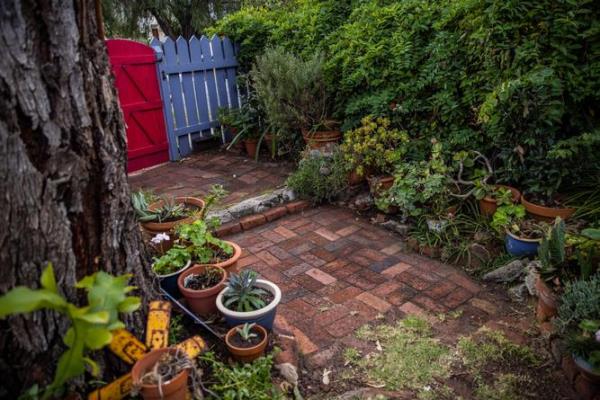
{"x": 518, "y": 292}
{"x": 531, "y": 276}
{"x": 507, "y": 273}
{"x": 479, "y": 255}
{"x": 289, "y": 372}
{"x": 363, "y": 201}
{"x": 395, "y": 226}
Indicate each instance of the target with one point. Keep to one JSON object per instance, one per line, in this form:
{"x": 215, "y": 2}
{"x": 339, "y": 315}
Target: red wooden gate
{"x": 134, "y": 67}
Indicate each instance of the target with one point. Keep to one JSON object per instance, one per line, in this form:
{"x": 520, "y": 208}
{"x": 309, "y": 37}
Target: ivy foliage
{"x": 516, "y": 79}
{"x": 91, "y": 325}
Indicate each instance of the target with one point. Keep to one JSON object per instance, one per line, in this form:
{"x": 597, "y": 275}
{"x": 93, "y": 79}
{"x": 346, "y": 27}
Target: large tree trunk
{"x": 64, "y": 195}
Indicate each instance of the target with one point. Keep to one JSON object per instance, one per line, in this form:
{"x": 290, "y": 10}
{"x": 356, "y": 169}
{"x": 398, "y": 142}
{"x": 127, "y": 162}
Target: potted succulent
{"x": 246, "y": 342}
{"x": 247, "y": 299}
{"x": 374, "y": 148}
{"x": 162, "y": 374}
{"x": 206, "y": 249}
{"x": 522, "y": 236}
{"x": 160, "y": 215}
{"x": 200, "y": 286}
{"x": 585, "y": 347}
{"x": 169, "y": 266}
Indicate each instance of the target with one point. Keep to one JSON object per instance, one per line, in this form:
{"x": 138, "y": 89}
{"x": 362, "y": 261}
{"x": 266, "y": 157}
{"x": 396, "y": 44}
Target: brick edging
{"x": 258, "y": 219}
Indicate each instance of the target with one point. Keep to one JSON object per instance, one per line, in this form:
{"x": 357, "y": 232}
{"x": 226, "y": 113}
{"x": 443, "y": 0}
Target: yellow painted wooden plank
{"x": 193, "y": 346}
{"x": 126, "y": 346}
{"x": 116, "y": 390}
{"x": 157, "y": 327}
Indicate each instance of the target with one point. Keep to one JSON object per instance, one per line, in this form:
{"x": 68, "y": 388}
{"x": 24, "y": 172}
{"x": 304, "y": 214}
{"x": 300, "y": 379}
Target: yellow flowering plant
{"x": 374, "y": 147}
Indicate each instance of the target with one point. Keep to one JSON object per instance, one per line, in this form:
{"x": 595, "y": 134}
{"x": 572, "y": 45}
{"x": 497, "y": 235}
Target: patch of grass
{"x": 176, "y": 329}
{"x": 411, "y": 357}
{"x": 505, "y": 387}
{"x": 351, "y": 356}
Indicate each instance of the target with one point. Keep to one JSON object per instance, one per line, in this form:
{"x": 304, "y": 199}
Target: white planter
{"x": 264, "y": 317}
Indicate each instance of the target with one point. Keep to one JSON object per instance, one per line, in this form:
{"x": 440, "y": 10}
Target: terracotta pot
{"x": 202, "y": 302}
{"x": 354, "y": 178}
{"x": 430, "y": 251}
{"x": 585, "y": 368}
{"x": 548, "y": 214}
{"x": 251, "y": 146}
{"x": 231, "y": 263}
{"x": 488, "y": 206}
{"x": 547, "y": 306}
{"x": 153, "y": 228}
{"x": 319, "y": 139}
{"x": 377, "y": 184}
{"x": 247, "y": 354}
{"x": 175, "y": 389}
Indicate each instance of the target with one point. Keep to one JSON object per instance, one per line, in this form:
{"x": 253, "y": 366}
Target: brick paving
{"x": 338, "y": 272}
{"x": 240, "y": 176}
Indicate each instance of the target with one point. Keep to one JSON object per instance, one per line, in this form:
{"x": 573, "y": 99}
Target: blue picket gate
{"x": 197, "y": 77}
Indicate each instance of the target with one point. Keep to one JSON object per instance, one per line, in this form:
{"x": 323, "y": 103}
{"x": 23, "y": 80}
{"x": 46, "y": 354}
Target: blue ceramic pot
{"x": 263, "y": 317}
{"x": 518, "y": 247}
{"x": 169, "y": 282}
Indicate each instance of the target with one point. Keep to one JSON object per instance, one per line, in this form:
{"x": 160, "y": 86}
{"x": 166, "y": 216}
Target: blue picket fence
{"x": 197, "y": 77}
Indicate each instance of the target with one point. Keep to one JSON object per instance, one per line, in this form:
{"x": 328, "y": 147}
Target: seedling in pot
{"x": 172, "y": 261}
{"x": 245, "y": 332}
{"x": 243, "y": 294}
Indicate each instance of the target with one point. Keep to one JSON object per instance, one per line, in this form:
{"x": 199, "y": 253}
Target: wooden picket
{"x": 197, "y": 77}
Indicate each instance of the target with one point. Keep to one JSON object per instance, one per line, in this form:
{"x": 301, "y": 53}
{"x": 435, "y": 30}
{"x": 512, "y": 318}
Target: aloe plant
{"x": 245, "y": 332}
{"x": 168, "y": 210}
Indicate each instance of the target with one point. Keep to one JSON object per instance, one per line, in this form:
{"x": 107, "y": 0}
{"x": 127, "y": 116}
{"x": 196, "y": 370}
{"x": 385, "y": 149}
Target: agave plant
{"x": 242, "y": 293}
{"x": 168, "y": 210}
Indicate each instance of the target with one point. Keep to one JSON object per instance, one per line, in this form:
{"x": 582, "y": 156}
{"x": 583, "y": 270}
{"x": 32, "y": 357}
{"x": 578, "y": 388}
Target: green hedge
{"x": 517, "y": 79}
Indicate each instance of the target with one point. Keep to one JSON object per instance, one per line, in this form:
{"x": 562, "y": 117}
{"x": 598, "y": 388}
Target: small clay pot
{"x": 378, "y": 184}
{"x": 175, "y": 389}
{"x": 488, "y": 205}
{"x": 152, "y": 228}
{"x": 202, "y": 302}
{"x": 251, "y": 146}
{"x": 319, "y": 139}
{"x": 247, "y": 354}
{"x": 547, "y": 306}
{"x": 548, "y": 214}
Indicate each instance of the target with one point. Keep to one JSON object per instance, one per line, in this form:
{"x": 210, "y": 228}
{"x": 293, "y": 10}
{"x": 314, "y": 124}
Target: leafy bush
{"x": 320, "y": 177}
{"x": 580, "y": 301}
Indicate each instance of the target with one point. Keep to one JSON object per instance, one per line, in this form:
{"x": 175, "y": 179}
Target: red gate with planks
{"x": 134, "y": 67}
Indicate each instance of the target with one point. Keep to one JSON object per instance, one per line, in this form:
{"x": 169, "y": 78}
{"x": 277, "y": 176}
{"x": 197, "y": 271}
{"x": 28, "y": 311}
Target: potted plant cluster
{"x": 200, "y": 286}
{"x": 245, "y": 121}
{"x": 169, "y": 266}
{"x": 247, "y": 299}
{"x": 246, "y": 342}
{"x": 162, "y": 374}
{"x": 160, "y": 215}
{"x": 522, "y": 236}
{"x": 585, "y": 347}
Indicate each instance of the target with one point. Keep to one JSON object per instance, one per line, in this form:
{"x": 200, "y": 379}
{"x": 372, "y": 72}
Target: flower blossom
{"x": 160, "y": 237}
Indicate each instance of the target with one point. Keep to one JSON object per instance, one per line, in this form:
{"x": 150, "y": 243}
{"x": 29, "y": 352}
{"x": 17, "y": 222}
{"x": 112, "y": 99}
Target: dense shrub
{"x": 517, "y": 79}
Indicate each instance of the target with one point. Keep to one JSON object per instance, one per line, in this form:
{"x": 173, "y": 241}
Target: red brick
{"x": 484, "y": 305}
{"x": 396, "y": 269}
{"x": 409, "y": 308}
{"x": 285, "y": 232}
{"x": 344, "y": 326}
{"x": 327, "y": 234}
{"x": 268, "y": 258}
{"x": 401, "y": 295}
{"x": 273, "y": 236}
{"x": 302, "y": 307}
{"x": 361, "y": 310}
{"x": 331, "y": 315}
{"x": 308, "y": 282}
{"x": 374, "y": 301}
{"x": 275, "y": 213}
{"x": 350, "y": 229}
{"x": 297, "y": 206}
{"x": 321, "y": 276}
{"x": 228, "y": 229}
{"x": 359, "y": 281}
{"x": 312, "y": 259}
{"x": 456, "y": 298}
{"x": 244, "y": 262}
{"x": 393, "y": 249}
{"x": 429, "y": 304}
{"x": 465, "y": 282}
{"x": 252, "y": 221}
{"x": 441, "y": 289}
{"x": 385, "y": 288}
{"x": 324, "y": 255}
{"x": 334, "y": 265}
{"x": 413, "y": 280}
{"x": 345, "y": 294}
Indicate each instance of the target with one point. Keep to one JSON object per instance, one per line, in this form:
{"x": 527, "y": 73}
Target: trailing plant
{"x": 585, "y": 343}
{"x": 375, "y": 147}
{"x": 243, "y": 294}
{"x": 199, "y": 242}
{"x": 580, "y": 301}
{"x": 245, "y": 332}
{"x": 168, "y": 209}
{"x": 90, "y": 327}
{"x": 320, "y": 177}
{"x": 172, "y": 261}
{"x": 420, "y": 187}
{"x": 250, "y": 381}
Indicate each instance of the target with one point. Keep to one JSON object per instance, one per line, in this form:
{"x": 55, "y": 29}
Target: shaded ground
{"x": 338, "y": 273}
{"x": 240, "y": 176}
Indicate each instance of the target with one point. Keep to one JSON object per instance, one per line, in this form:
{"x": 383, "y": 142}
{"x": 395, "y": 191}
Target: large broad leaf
{"x": 130, "y": 304}
{"x": 97, "y": 338}
{"x": 24, "y": 300}
{"x": 48, "y": 279}
{"x": 591, "y": 233}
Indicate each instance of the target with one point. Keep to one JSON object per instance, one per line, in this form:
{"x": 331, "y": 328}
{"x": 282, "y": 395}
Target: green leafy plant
{"x": 585, "y": 343}
{"x": 91, "y": 325}
{"x": 242, "y": 293}
{"x": 201, "y": 245}
{"x": 166, "y": 211}
{"x": 580, "y": 301}
{"x": 250, "y": 381}
{"x": 320, "y": 177}
{"x": 245, "y": 122}
{"x": 214, "y": 196}
{"x": 245, "y": 332}
{"x": 502, "y": 196}
{"x": 508, "y": 217}
{"x": 375, "y": 146}
{"x": 172, "y": 261}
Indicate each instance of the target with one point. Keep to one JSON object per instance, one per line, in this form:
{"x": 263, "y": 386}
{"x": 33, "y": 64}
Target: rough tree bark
{"x": 64, "y": 195}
